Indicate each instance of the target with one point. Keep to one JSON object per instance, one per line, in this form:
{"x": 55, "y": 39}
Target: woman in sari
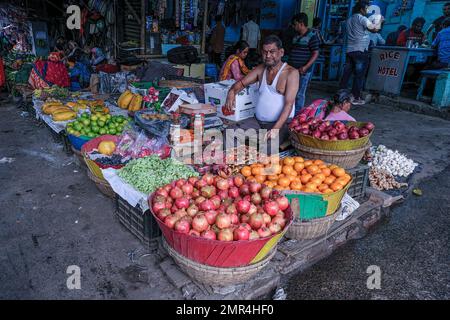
{"x": 50, "y": 72}
{"x": 235, "y": 68}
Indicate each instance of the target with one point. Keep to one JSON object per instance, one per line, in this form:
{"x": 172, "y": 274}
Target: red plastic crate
{"x": 218, "y": 253}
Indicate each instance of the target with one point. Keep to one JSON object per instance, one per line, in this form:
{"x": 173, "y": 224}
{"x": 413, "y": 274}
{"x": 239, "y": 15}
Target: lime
{"x": 102, "y": 131}
{"x": 112, "y": 131}
{"x": 86, "y": 122}
{"x": 94, "y": 118}
{"x": 85, "y": 115}
{"x": 101, "y": 123}
{"x": 102, "y": 118}
{"x": 111, "y": 126}
{"x": 108, "y": 116}
{"x": 78, "y": 127}
{"x": 77, "y": 133}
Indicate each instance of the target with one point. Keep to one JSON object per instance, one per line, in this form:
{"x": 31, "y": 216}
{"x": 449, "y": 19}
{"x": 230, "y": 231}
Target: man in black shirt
{"x": 304, "y": 52}
{"x": 391, "y": 39}
{"x": 437, "y": 24}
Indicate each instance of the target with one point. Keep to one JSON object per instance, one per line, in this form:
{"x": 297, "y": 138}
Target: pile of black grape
{"x": 114, "y": 160}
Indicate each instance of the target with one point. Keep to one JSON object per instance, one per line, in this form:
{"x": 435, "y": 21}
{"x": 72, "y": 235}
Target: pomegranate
{"x": 187, "y": 188}
{"x": 274, "y": 227}
{"x": 223, "y": 194}
{"x": 200, "y": 223}
{"x": 182, "y": 203}
{"x": 211, "y": 217}
{"x": 266, "y": 192}
{"x": 225, "y": 235}
{"x": 343, "y": 136}
{"x": 256, "y": 198}
{"x": 234, "y": 219}
{"x": 245, "y": 218}
{"x": 167, "y": 188}
{"x": 199, "y": 200}
{"x": 159, "y": 199}
{"x": 369, "y": 126}
{"x": 255, "y": 187}
{"x": 192, "y": 180}
{"x": 223, "y": 221}
{"x": 164, "y": 213}
{"x": 222, "y": 184}
{"x": 180, "y": 213}
{"x": 266, "y": 218}
{"x": 253, "y": 235}
{"x": 194, "y": 233}
{"x": 241, "y": 233}
{"x": 256, "y": 221}
{"x": 279, "y": 220}
{"x": 192, "y": 210}
{"x": 271, "y": 208}
{"x": 332, "y": 132}
{"x": 180, "y": 183}
{"x": 238, "y": 181}
{"x": 283, "y": 203}
{"x": 233, "y": 192}
{"x": 363, "y": 132}
{"x": 243, "y": 206}
{"x": 200, "y": 184}
{"x": 334, "y": 138}
{"x": 209, "y": 179}
{"x": 246, "y": 226}
{"x": 339, "y": 126}
{"x": 209, "y": 234}
{"x": 195, "y": 193}
{"x": 182, "y": 226}
{"x": 231, "y": 209}
{"x": 176, "y": 193}
{"x": 324, "y": 137}
{"x": 253, "y": 209}
{"x": 216, "y": 200}
{"x": 353, "y": 135}
{"x": 207, "y": 205}
{"x": 244, "y": 190}
{"x": 158, "y": 206}
{"x": 264, "y": 232}
{"x": 305, "y": 131}
{"x": 162, "y": 192}
{"x": 208, "y": 191}
{"x": 170, "y": 221}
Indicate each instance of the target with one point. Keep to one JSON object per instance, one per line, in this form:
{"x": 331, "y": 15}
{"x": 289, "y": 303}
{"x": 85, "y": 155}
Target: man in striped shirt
{"x": 304, "y": 52}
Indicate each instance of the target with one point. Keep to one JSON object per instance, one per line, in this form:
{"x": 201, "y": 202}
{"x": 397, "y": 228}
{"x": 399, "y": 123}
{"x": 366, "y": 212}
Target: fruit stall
{"x": 221, "y": 223}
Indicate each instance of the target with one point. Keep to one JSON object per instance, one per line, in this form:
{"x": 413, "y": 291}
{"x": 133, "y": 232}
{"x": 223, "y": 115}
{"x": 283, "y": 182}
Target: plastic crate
{"x": 360, "y": 176}
{"x": 141, "y": 224}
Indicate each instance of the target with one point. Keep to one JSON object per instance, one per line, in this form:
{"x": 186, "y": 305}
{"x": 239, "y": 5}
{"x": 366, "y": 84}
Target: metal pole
{"x": 143, "y": 23}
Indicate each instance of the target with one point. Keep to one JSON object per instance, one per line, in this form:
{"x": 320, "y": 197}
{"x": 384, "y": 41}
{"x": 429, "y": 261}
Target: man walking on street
{"x": 357, "y": 57}
{"x": 251, "y": 34}
{"x": 304, "y": 52}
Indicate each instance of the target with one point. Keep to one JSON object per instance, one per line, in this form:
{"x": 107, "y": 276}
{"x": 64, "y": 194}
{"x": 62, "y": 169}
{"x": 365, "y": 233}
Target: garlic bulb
{"x": 393, "y": 162}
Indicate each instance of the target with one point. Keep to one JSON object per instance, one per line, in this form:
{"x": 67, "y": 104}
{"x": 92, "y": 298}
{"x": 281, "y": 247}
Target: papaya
{"x": 48, "y": 109}
{"x": 60, "y": 109}
{"x": 64, "y": 116}
{"x": 125, "y": 99}
{"x": 136, "y": 103}
{"x": 71, "y": 104}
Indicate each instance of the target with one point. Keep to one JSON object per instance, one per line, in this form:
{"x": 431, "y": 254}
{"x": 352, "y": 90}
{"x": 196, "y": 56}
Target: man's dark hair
{"x": 250, "y": 17}
{"x": 273, "y": 39}
{"x": 358, "y": 7}
{"x": 300, "y": 18}
{"x": 402, "y": 27}
{"x": 446, "y": 5}
{"x": 317, "y": 22}
{"x": 418, "y": 20}
{"x": 218, "y": 18}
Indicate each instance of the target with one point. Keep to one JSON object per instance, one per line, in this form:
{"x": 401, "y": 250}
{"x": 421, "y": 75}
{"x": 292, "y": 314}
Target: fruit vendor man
{"x": 278, "y": 86}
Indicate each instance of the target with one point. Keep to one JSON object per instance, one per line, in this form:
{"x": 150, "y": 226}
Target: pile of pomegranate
{"x": 215, "y": 208}
{"x": 325, "y": 130}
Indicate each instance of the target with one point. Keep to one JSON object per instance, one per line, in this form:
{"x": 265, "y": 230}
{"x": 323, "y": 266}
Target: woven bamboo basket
{"x": 345, "y": 159}
{"x": 311, "y": 229}
{"x": 79, "y": 158}
{"x": 340, "y": 145}
{"x": 215, "y": 276}
{"x": 102, "y": 185}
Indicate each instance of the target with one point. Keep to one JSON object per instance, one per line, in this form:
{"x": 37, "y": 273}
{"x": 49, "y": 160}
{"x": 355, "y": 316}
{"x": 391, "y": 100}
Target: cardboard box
{"x": 176, "y": 98}
{"x": 216, "y": 94}
{"x": 195, "y": 70}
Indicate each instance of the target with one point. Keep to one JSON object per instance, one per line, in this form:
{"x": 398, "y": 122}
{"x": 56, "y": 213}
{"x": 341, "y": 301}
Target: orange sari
{"x": 226, "y": 72}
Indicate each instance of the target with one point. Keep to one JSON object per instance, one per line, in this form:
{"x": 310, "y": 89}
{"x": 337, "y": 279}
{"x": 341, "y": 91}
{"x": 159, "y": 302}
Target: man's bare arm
{"x": 249, "y": 79}
{"x": 311, "y": 61}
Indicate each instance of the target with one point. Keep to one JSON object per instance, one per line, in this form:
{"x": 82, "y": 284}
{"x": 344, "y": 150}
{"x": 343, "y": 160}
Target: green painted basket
{"x": 340, "y": 145}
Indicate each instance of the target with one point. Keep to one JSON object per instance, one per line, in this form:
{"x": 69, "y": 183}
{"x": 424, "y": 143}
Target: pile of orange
{"x": 298, "y": 174}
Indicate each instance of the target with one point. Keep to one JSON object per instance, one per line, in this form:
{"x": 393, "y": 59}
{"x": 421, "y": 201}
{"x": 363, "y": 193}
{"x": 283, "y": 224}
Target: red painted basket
{"x": 218, "y": 253}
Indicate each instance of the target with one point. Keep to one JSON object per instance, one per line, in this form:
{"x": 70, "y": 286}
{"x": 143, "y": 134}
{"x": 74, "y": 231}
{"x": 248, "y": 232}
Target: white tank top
{"x": 270, "y": 101}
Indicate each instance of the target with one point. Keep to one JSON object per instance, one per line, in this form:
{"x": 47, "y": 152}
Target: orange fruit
{"x": 327, "y": 191}
{"x": 347, "y": 177}
{"x": 322, "y": 187}
{"x": 272, "y": 177}
{"x": 316, "y": 181}
{"x": 284, "y": 182}
{"x": 308, "y": 190}
{"x": 318, "y": 162}
{"x": 312, "y": 169}
{"x": 308, "y": 163}
{"x": 251, "y": 179}
{"x": 342, "y": 181}
{"x": 275, "y": 169}
{"x": 297, "y": 179}
{"x": 299, "y": 166}
{"x": 326, "y": 171}
{"x": 320, "y": 176}
{"x": 311, "y": 185}
{"x": 246, "y": 171}
{"x": 260, "y": 178}
{"x": 333, "y": 166}
{"x": 253, "y": 165}
{"x": 288, "y": 161}
{"x": 323, "y": 166}
{"x": 336, "y": 186}
{"x": 329, "y": 180}
{"x": 299, "y": 159}
{"x": 305, "y": 178}
{"x": 338, "y": 172}
{"x": 270, "y": 184}
{"x": 289, "y": 170}
{"x": 291, "y": 177}
{"x": 304, "y": 171}
{"x": 256, "y": 171}
{"x": 295, "y": 186}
